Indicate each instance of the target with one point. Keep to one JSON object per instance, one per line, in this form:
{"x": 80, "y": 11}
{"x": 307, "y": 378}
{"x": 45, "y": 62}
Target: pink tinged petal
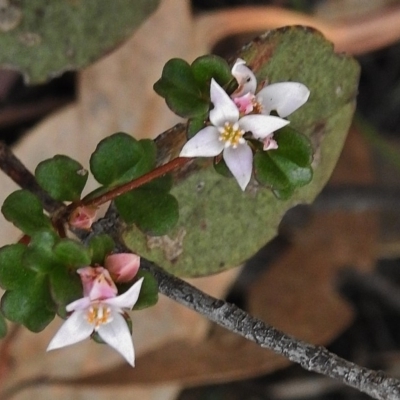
{"x": 270, "y": 143}
{"x": 245, "y": 103}
{"x": 245, "y": 78}
{"x": 225, "y": 109}
{"x": 116, "y": 334}
{"x": 205, "y": 143}
{"x": 74, "y": 330}
{"x": 83, "y": 217}
{"x": 261, "y": 125}
{"x": 283, "y": 97}
{"x": 123, "y": 266}
{"x": 127, "y": 299}
{"x": 103, "y": 287}
{"x": 79, "y": 304}
{"x": 240, "y": 163}
{"x": 88, "y": 275}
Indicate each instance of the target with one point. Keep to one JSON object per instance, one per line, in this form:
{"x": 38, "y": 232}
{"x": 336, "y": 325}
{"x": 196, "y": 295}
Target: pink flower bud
{"x": 83, "y": 217}
{"x": 270, "y": 143}
{"x": 97, "y": 283}
{"x": 123, "y": 266}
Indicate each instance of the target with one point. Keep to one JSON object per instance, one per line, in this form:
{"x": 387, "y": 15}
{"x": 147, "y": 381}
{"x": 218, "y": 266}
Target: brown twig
{"x": 118, "y": 191}
{"x": 313, "y": 358}
{"x": 12, "y": 167}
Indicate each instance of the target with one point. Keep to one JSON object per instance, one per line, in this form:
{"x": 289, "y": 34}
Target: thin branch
{"x": 134, "y": 184}
{"x": 13, "y": 168}
{"x": 310, "y": 357}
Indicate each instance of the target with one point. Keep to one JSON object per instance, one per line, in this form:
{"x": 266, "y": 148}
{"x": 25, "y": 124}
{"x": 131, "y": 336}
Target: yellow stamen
{"x": 231, "y": 135}
{"x": 257, "y": 106}
{"x": 98, "y": 315}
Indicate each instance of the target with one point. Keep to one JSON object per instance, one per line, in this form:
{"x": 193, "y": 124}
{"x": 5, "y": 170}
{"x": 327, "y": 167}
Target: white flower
{"x": 226, "y": 135}
{"x": 282, "y": 97}
{"x": 104, "y": 317}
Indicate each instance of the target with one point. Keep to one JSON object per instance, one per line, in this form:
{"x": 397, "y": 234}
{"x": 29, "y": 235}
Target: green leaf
{"x": 13, "y": 273}
{"x": 120, "y": 158}
{"x": 195, "y": 125}
{"x": 40, "y": 256}
{"x": 62, "y": 177}
{"x": 268, "y": 172}
{"x": 222, "y": 168}
{"x": 153, "y": 212}
{"x": 99, "y": 247}
{"x": 149, "y": 292}
{"x": 293, "y": 146}
{"x": 44, "y": 39}
{"x": 284, "y": 194}
{"x": 287, "y": 167}
{"x": 219, "y": 225}
{"x": 24, "y": 210}
{"x": 3, "y": 326}
{"x": 65, "y": 287}
{"x": 176, "y": 75}
{"x": 211, "y": 66}
{"x": 71, "y": 253}
{"x": 180, "y": 90}
{"x": 186, "y": 106}
{"x": 31, "y": 306}
{"x": 162, "y": 184}
{"x": 149, "y": 155}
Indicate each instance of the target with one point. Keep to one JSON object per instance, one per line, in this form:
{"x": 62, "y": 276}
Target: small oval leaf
{"x": 32, "y": 307}
{"x": 71, "y": 253}
{"x": 100, "y": 246}
{"x": 62, "y": 177}
{"x": 149, "y": 292}
{"x": 13, "y": 273}
{"x": 153, "y": 212}
{"x": 211, "y": 66}
{"x": 25, "y": 211}
{"x": 120, "y": 158}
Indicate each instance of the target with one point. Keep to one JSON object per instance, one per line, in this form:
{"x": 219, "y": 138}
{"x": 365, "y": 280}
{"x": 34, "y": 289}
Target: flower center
{"x": 99, "y": 315}
{"x": 231, "y": 135}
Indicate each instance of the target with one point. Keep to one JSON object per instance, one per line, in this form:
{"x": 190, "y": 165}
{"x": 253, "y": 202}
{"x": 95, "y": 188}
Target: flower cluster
{"x": 244, "y": 112}
{"x": 100, "y": 309}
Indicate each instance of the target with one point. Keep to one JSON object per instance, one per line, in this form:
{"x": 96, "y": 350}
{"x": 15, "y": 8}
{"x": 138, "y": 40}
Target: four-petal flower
{"x": 94, "y": 313}
{"x": 226, "y": 135}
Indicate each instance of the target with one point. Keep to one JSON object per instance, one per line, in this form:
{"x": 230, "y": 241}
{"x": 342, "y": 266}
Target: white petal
{"x": 240, "y": 163}
{"x": 245, "y": 78}
{"x": 75, "y": 329}
{"x": 205, "y": 143}
{"x": 79, "y": 304}
{"x": 127, "y": 299}
{"x": 225, "y": 109}
{"x": 261, "y": 125}
{"x": 116, "y": 334}
{"x": 284, "y": 97}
